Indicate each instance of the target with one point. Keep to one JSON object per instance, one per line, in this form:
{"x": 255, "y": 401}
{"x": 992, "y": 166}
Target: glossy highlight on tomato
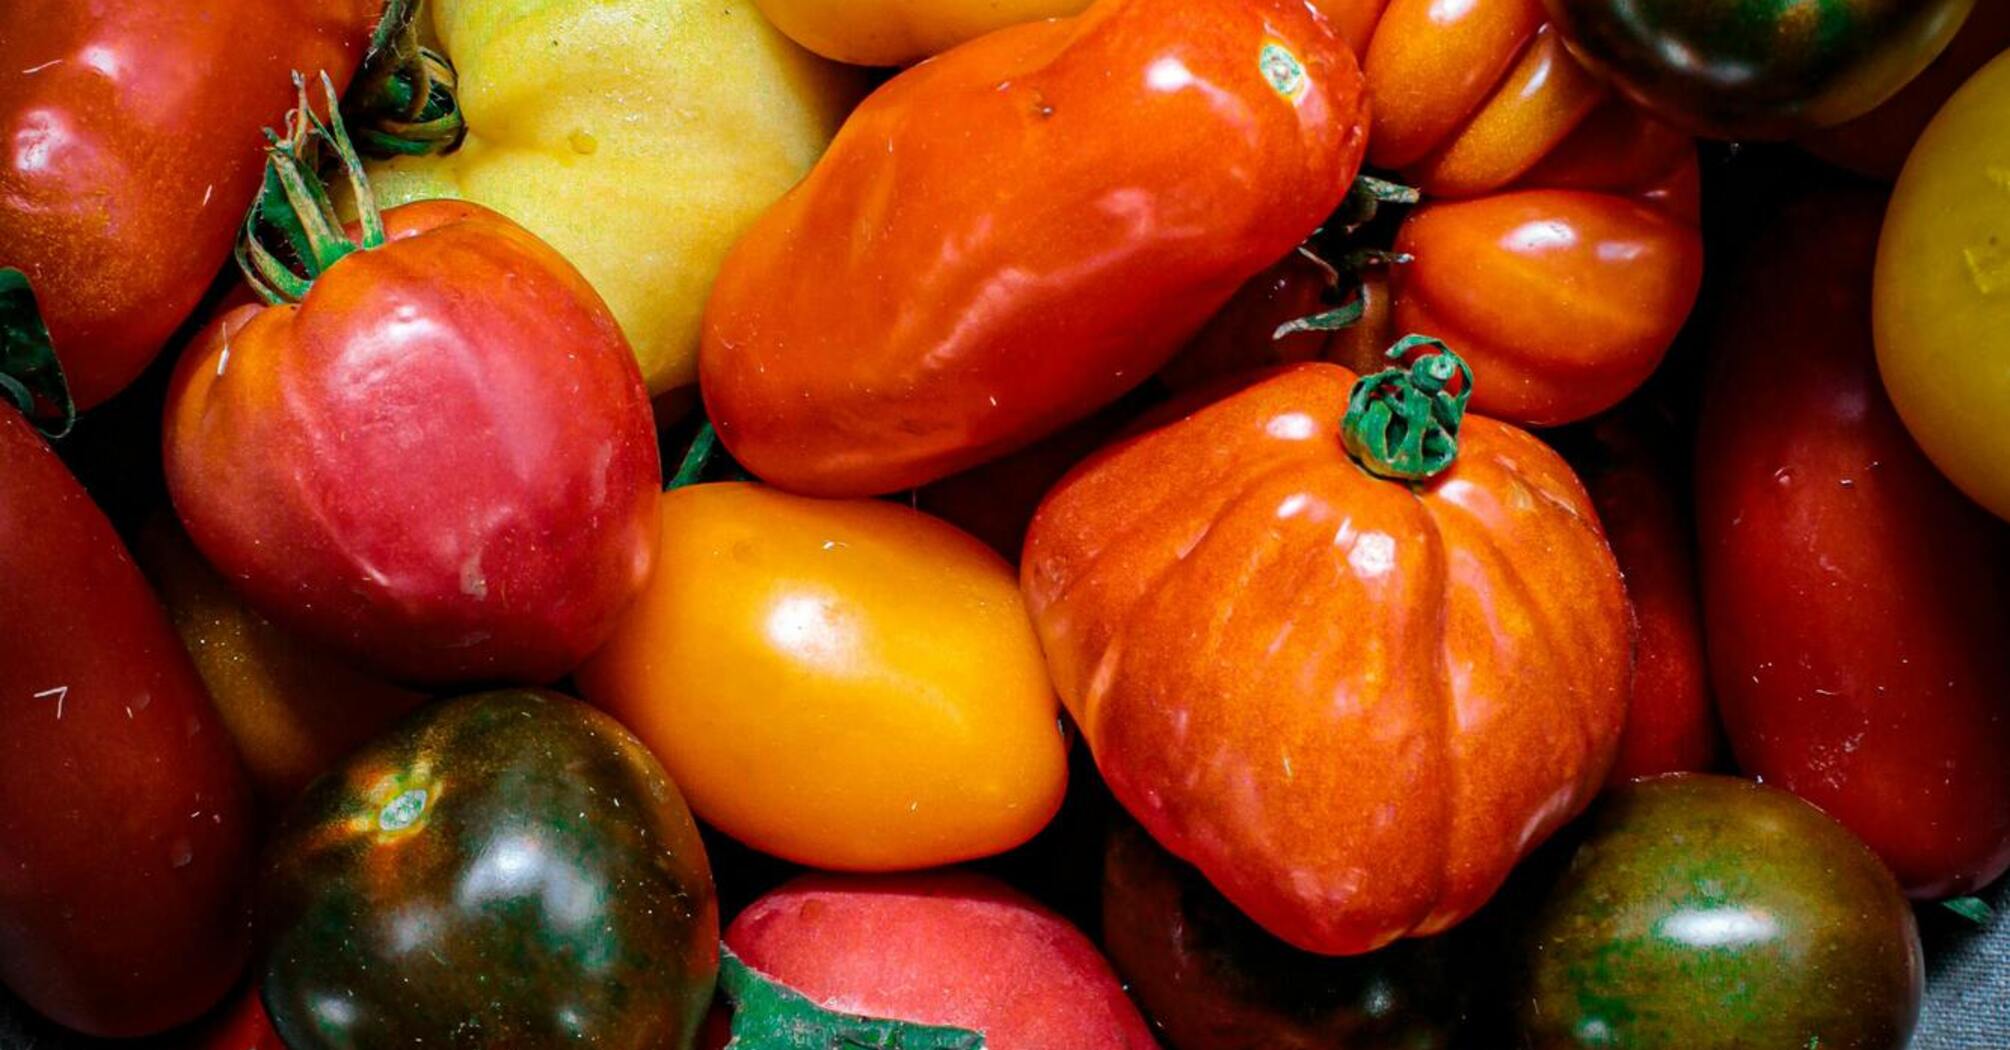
{"x": 1007, "y": 238}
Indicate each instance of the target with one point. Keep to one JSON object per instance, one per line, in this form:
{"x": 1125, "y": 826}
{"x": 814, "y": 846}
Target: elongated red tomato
{"x": 125, "y": 831}
{"x": 1856, "y": 602}
{"x": 130, "y": 145}
{"x": 1011, "y": 235}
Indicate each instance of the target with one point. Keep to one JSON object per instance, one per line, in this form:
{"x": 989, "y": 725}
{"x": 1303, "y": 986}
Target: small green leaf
{"x": 30, "y": 375}
{"x": 1365, "y": 199}
{"x": 1974, "y": 909}
{"x": 770, "y": 1016}
{"x": 1331, "y": 321}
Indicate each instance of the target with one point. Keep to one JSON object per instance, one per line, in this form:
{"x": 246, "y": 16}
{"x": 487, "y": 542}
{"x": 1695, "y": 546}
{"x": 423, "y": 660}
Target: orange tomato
{"x": 851, "y": 685}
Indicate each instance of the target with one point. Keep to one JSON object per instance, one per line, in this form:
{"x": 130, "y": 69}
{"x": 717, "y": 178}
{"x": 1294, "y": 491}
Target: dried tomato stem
{"x": 1403, "y": 423}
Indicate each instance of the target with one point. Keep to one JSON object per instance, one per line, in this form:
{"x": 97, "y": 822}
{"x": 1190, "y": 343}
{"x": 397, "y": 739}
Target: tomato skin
{"x": 834, "y": 370}
{"x": 1710, "y": 913}
{"x": 1263, "y": 645}
{"x": 850, "y": 685}
{"x": 899, "y": 32}
{"x": 510, "y": 869}
{"x": 1671, "y": 723}
{"x": 136, "y": 148}
{"x": 1942, "y": 294}
{"x": 1855, "y": 603}
{"x": 1877, "y": 143}
{"x": 125, "y": 830}
{"x": 1563, "y": 301}
{"x": 471, "y": 497}
{"x": 1731, "y": 69}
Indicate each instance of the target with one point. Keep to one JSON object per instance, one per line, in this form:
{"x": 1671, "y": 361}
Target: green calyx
{"x": 1403, "y": 423}
{"x": 293, "y": 209}
{"x": 405, "y": 100}
{"x": 30, "y": 376}
{"x": 770, "y": 1016}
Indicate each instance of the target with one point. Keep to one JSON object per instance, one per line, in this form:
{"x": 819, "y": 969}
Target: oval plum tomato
{"x": 133, "y": 148}
{"x": 850, "y": 685}
{"x": 1942, "y": 302}
{"x": 508, "y": 870}
{"x": 1343, "y": 697}
{"x": 898, "y": 32}
{"x": 1855, "y": 602}
{"x": 125, "y": 824}
{"x": 431, "y": 478}
{"x": 1002, "y": 241}
{"x": 1709, "y": 913}
{"x": 941, "y": 948}
{"x": 1738, "y": 69}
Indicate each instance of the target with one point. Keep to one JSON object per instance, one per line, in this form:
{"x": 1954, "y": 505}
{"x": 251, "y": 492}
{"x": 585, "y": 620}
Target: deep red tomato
{"x": 1009, "y": 236}
{"x": 125, "y": 824}
{"x": 1856, "y": 602}
{"x": 133, "y": 145}
{"x": 434, "y": 479}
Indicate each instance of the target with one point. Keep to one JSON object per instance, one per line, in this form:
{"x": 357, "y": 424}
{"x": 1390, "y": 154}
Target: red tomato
{"x": 1007, "y": 237}
{"x": 1855, "y": 601}
{"x": 125, "y": 824}
{"x": 437, "y": 481}
{"x": 1671, "y": 725}
{"x": 134, "y": 147}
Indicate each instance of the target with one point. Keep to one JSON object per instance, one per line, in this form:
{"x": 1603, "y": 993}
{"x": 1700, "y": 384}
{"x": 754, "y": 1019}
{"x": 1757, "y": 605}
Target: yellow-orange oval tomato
{"x": 897, "y": 32}
{"x": 852, "y": 685}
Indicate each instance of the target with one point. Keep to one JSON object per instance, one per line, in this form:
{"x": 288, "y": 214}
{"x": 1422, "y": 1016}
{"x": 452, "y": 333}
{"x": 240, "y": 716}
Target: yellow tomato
{"x": 897, "y": 32}
{"x": 1943, "y": 290}
{"x": 852, "y": 685}
{"x": 638, "y": 137}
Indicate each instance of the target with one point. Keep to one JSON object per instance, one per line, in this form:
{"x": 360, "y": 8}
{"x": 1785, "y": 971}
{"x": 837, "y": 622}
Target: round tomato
{"x": 1353, "y": 702}
{"x": 1708, "y": 913}
{"x": 434, "y": 480}
{"x": 133, "y": 150}
{"x": 1855, "y": 603}
{"x": 850, "y": 685}
{"x": 125, "y": 823}
{"x": 1737, "y": 69}
{"x": 897, "y": 32}
{"x": 507, "y": 870}
{"x": 1943, "y": 290}
{"x": 1877, "y": 143}
{"x": 1004, "y": 240}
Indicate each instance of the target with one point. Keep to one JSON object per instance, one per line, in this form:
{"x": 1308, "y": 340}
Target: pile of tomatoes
{"x": 1072, "y": 524}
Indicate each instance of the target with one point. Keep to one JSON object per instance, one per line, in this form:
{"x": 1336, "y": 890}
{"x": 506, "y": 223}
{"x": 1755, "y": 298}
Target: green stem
{"x": 768, "y": 1015}
{"x": 30, "y": 376}
{"x": 293, "y": 207}
{"x": 1403, "y": 423}
{"x": 696, "y": 459}
{"x": 405, "y": 100}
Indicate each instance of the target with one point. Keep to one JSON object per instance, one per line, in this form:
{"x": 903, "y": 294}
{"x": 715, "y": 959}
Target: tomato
{"x": 125, "y": 831}
{"x": 1708, "y": 913}
{"x": 1671, "y": 724}
{"x": 133, "y": 150}
{"x": 1002, "y": 241}
{"x": 897, "y": 32}
{"x": 1212, "y": 980}
{"x": 435, "y": 482}
{"x": 293, "y": 710}
{"x": 940, "y": 948}
{"x": 1733, "y": 69}
{"x": 850, "y": 685}
{"x": 1877, "y": 143}
{"x": 1354, "y": 703}
{"x": 242, "y": 1025}
{"x": 567, "y": 136}
{"x": 1855, "y": 603}
{"x": 504, "y": 870}
{"x": 1942, "y": 299}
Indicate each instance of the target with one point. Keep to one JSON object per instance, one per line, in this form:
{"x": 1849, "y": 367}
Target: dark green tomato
{"x": 509, "y": 870}
{"x": 1213, "y": 980}
{"x": 1707, "y": 913}
{"x": 1759, "y": 68}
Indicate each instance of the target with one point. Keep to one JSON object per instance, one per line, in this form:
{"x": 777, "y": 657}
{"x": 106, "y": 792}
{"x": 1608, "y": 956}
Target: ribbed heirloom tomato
{"x": 1354, "y": 703}
{"x": 1006, "y": 238}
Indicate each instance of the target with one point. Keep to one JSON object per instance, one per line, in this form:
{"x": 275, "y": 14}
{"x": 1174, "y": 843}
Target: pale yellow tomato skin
{"x": 900, "y": 32}
{"x": 1942, "y": 298}
{"x": 851, "y": 685}
{"x": 638, "y": 137}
